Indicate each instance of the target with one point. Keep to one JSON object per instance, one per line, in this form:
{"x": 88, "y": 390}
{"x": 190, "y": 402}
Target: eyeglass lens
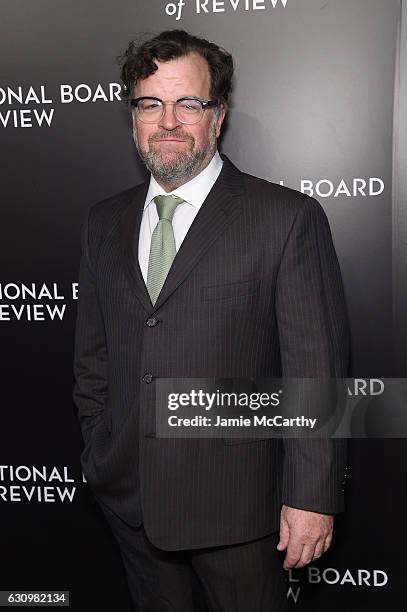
{"x": 186, "y": 111}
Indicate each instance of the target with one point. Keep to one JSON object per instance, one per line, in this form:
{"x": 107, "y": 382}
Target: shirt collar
{"x": 194, "y": 191}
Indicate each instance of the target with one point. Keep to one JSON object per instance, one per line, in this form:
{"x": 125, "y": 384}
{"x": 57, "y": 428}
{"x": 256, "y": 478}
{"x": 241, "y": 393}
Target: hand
{"x": 306, "y": 535}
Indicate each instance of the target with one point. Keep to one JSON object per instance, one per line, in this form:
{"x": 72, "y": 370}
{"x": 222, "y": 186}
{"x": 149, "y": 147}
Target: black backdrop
{"x": 318, "y": 99}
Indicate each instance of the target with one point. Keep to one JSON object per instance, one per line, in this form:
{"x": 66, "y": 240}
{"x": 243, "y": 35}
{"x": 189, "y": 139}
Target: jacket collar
{"x": 219, "y": 209}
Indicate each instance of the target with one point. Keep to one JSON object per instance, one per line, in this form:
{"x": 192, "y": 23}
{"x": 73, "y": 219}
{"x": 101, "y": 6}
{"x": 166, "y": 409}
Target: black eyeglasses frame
{"x": 205, "y": 103}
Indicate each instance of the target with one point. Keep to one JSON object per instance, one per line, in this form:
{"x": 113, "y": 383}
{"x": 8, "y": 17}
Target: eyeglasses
{"x": 187, "y": 110}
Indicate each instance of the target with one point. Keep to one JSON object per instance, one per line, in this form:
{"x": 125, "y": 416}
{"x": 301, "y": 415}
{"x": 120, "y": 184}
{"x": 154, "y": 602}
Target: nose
{"x": 169, "y": 121}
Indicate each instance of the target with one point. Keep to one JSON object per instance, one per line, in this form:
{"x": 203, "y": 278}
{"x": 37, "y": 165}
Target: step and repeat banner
{"x": 318, "y": 106}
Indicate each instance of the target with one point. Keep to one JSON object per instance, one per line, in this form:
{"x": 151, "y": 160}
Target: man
{"x": 234, "y": 277}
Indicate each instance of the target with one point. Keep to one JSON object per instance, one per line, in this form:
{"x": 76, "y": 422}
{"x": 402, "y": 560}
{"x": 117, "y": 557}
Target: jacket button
{"x": 147, "y": 378}
{"x": 152, "y": 322}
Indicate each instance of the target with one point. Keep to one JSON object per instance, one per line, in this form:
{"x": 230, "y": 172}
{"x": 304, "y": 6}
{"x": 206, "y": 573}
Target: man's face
{"x": 175, "y": 152}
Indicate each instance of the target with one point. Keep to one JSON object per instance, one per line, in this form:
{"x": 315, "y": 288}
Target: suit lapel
{"x": 129, "y": 231}
{"x": 220, "y": 208}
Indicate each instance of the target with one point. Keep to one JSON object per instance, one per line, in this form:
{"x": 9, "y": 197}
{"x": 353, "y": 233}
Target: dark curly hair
{"x": 137, "y": 62}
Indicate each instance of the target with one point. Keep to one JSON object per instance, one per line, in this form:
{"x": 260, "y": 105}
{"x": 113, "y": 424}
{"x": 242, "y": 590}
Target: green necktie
{"x": 162, "y": 249}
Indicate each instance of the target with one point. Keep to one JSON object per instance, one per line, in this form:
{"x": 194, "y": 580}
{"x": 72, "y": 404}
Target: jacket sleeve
{"x": 314, "y": 343}
{"x": 90, "y": 352}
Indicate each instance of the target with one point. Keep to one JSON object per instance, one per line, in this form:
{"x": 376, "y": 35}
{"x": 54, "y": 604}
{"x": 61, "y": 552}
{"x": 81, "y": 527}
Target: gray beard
{"x": 178, "y": 168}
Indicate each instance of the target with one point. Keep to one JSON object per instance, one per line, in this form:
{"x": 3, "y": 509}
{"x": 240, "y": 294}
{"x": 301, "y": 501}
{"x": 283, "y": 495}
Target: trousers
{"x": 233, "y": 578}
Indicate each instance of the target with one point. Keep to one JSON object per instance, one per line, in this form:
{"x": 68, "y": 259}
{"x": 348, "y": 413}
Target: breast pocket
{"x": 230, "y": 291}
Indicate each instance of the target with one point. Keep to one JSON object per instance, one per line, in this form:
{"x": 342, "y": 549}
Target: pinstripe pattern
{"x": 254, "y": 291}
{"x": 235, "y": 578}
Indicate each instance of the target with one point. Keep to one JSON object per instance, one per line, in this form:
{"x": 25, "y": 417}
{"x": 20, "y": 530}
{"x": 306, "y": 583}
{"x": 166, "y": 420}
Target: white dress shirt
{"x": 194, "y": 192}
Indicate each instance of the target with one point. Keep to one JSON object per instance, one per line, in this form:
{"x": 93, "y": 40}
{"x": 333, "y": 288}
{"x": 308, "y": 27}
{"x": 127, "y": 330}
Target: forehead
{"x": 187, "y": 75}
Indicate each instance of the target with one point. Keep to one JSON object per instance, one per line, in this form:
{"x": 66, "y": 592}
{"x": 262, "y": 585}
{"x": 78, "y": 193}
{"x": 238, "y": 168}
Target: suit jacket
{"x": 254, "y": 291}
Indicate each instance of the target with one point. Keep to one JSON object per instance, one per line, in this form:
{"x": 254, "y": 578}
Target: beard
{"x": 177, "y": 167}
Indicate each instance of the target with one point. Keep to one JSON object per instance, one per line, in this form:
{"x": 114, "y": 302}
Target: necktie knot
{"x": 166, "y": 205}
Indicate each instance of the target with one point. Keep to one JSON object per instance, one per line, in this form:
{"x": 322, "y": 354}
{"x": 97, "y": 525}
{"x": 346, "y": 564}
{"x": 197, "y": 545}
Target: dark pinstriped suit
{"x": 254, "y": 291}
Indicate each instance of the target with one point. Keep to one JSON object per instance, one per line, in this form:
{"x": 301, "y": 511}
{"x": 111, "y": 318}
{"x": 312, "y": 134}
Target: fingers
{"x": 294, "y": 553}
{"x": 319, "y": 549}
{"x": 306, "y": 535}
{"x": 301, "y": 554}
{"x": 328, "y": 541}
{"x": 284, "y": 535}
{"x": 310, "y": 552}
